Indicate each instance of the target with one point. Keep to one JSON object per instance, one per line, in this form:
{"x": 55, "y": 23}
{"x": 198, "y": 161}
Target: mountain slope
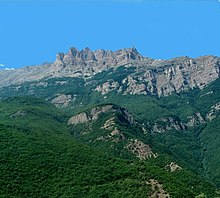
{"x": 113, "y": 130}
{"x": 40, "y": 158}
{"x": 210, "y": 139}
{"x": 160, "y": 114}
{"x": 174, "y": 123}
{"x": 150, "y": 76}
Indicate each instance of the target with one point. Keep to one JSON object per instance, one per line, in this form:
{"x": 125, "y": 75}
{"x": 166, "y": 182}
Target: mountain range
{"x": 150, "y": 76}
{"x": 111, "y": 124}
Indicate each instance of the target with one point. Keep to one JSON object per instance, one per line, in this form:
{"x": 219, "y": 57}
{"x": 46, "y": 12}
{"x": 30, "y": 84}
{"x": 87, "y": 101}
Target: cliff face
{"x": 164, "y": 77}
{"x": 157, "y": 77}
{"x": 74, "y": 63}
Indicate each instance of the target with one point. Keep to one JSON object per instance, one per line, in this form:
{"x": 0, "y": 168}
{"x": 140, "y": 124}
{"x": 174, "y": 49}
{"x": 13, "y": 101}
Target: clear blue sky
{"x": 33, "y": 31}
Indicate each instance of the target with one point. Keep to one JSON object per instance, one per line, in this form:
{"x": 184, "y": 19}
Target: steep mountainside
{"x": 154, "y": 123}
{"x": 40, "y": 158}
{"x": 112, "y": 129}
{"x": 150, "y": 76}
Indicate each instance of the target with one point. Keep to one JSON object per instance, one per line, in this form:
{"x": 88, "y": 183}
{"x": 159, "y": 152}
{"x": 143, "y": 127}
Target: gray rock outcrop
{"x": 140, "y": 150}
{"x": 91, "y": 115}
{"x": 151, "y": 77}
{"x": 167, "y": 76}
{"x": 94, "y": 114}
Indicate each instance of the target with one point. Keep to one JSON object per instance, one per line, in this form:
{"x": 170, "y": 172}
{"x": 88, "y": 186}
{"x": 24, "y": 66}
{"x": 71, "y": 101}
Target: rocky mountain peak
{"x": 100, "y": 55}
{"x": 72, "y": 52}
{"x": 150, "y": 76}
{"x": 129, "y": 54}
{"x": 59, "y": 56}
{"x": 87, "y": 55}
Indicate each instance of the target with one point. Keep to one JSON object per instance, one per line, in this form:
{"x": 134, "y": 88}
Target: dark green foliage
{"x": 40, "y": 158}
{"x": 210, "y": 137}
{"x": 31, "y": 127}
{"x": 93, "y": 133}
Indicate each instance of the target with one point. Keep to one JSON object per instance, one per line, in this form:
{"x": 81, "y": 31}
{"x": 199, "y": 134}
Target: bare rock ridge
{"x": 163, "y": 77}
{"x": 151, "y": 76}
{"x": 105, "y": 57}
{"x": 74, "y": 63}
{"x": 87, "y": 63}
{"x": 116, "y": 116}
{"x": 94, "y": 114}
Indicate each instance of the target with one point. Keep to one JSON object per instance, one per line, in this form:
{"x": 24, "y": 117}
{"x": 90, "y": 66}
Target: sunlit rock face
{"x": 154, "y": 77}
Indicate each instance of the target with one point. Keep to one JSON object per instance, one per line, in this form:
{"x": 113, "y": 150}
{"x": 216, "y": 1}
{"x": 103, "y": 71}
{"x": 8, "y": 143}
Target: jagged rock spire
{"x": 100, "y": 55}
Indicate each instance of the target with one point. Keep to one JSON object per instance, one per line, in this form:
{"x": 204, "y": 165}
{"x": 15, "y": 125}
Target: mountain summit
{"x": 107, "y": 120}
{"x": 101, "y": 56}
{"x": 74, "y": 63}
{"x": 150, "y": 76}
{"x": 90, "y": 62}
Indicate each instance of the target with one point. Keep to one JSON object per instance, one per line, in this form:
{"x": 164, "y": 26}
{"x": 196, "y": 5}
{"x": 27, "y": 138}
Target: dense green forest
{"x": 43, "y": 156}
{"x": 40, "y": 158}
